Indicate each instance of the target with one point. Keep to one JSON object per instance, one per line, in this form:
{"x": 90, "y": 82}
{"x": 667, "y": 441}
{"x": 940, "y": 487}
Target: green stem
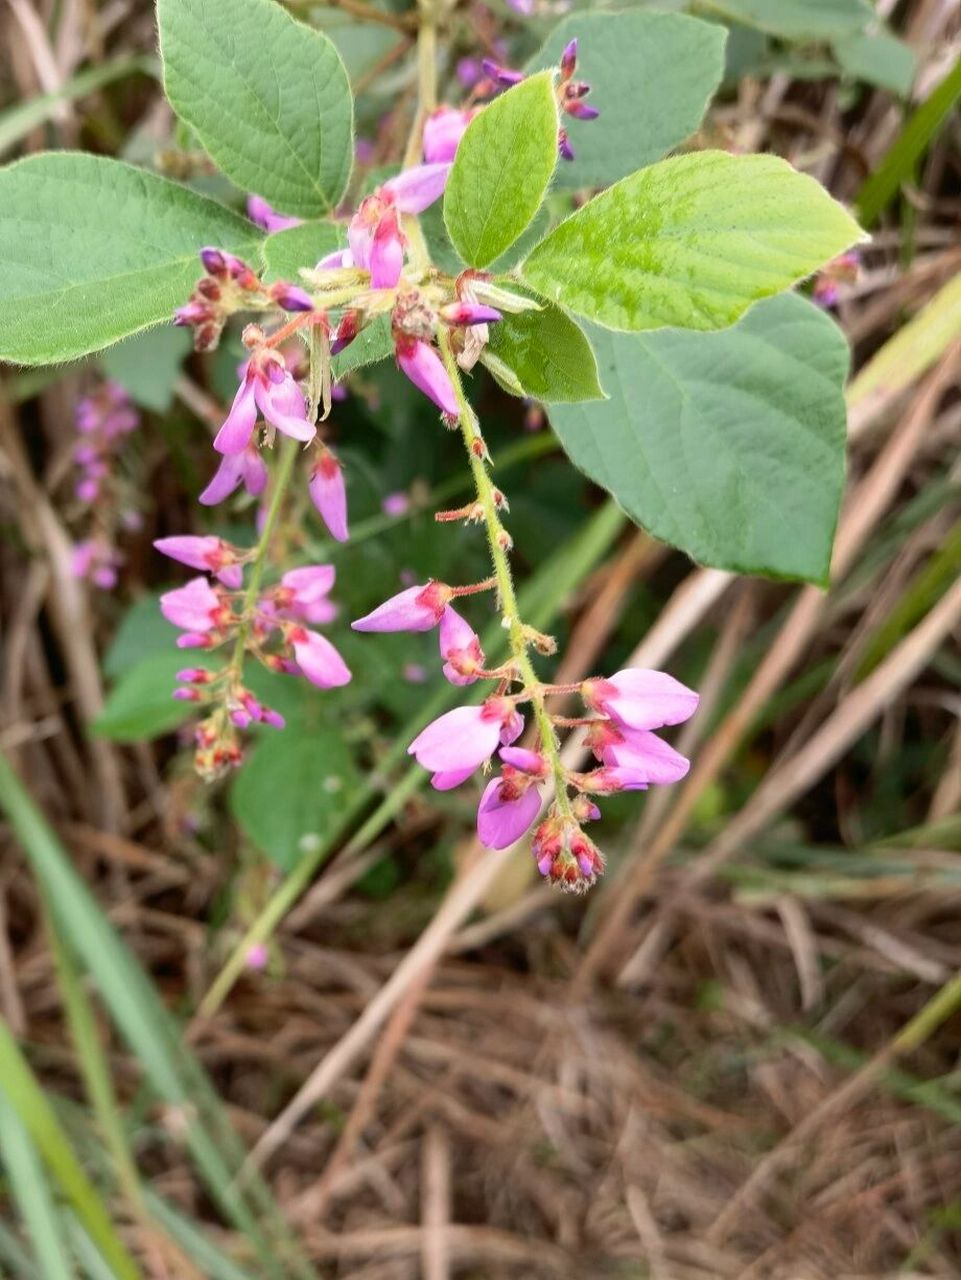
{"x": 288, "y": 455}
{"x": 498, "y": 540}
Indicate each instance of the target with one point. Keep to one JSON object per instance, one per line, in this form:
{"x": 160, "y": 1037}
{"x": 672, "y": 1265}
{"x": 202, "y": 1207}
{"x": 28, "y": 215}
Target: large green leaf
{"x": 545, "y": 355}
{"x": 651, "y": 76}
{"x": 294, "y": 789}
{"x": 728, "y": 445}
{"x": 502, "y": 170}
{"x": 690, "y": 242}
{"x": 94, "y": 250}
{"x": 267, "y": 96}
{"x": 797, "y": 19}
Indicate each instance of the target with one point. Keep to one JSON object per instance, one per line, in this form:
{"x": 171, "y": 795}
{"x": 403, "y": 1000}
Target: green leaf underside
{"x": 502, "y": 171}
{"x": 293, "y": 787}
{"x": 94, "y": 250}
{"x": 649, "y": 101}
{"x": 286, "y": 252}
{"x": 141, "y": 705}
{"x": 727, "y": 445}
{"x": 796, "y": 19}
{"x": 690, "y": 242}
{"x": 548, "y": 354}
{"x": 267, "y": 96}
{"x": 880, "y": 59}
{"x": 147, "y": 365}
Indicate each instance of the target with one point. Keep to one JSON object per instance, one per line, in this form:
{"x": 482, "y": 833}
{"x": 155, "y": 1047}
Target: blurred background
{"x": 740, "y": 1055}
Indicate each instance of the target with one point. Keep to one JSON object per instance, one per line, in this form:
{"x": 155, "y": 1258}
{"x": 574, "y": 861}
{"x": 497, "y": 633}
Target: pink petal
{"x": 311, "y": 581}
{"x": 191, "y": 607}
{"x": 197, "y": 552}
{"x": 456, "y": 633}
{"x": 649, "y": 756}
{"x": 451, "y": 779}
{"x": 320, "y": 662}
{"x": 234, "y": 435}
{"x": 386, "y": 253}
{"x": 329, "y": 494}
{"x": 649, "y": 699}
{"x": 461, "y": 739}
{"x": 421, "y": 363}
{"x": 500, "y": 823}
{"x": 531, "y": 762}
{"x": 282, "y": 404}
{"x": 443, "y": 131}
{"x": 416, "y": 189}
{"x": 416, "y": 609}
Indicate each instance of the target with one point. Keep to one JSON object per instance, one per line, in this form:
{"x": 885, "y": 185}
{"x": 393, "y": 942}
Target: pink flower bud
{"x": 291, "y": 297}
{"x": 421, "y": 363}
{"x": 468, "y": 313}
{"x": 531, "y": 762}
{"x": 195, "y": 607}
{"x": 328, "y": 493}
{"x": 318, "y": 659}
{"x": 386, "y": 252}
{"x": 460, "y": 648}
{"x": 208, "y": 553}
{"x": 508, "y": 808}
{"x": 416, "y": 609}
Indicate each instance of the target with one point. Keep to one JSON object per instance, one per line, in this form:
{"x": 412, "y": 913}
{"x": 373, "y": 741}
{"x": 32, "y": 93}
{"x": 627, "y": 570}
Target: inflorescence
{"x": 440, "y": 327}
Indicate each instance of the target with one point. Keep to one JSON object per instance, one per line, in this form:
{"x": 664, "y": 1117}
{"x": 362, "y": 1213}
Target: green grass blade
{"x": 25, "y": 1096}
{"x": 899, "y": 164}
{"x": 151, "y": 1033}
{"x": 17, "y": 122}
{"x": 32, "y": 1195}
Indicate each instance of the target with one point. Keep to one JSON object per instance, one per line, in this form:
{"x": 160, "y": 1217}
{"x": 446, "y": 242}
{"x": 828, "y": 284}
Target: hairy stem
{"x": 497, "y": 539}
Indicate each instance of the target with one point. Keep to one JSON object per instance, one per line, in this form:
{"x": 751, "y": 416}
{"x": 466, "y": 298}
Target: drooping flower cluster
{"x": 439, "y": 325}
{"x": 622, "y": 713}
{"x": 276, "y": 628}
{"x": 104, "y": 419}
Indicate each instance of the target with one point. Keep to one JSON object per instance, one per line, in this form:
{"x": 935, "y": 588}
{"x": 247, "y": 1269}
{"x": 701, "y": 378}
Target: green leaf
{"x": 95, "y": 250}
{"x": 880, "y": 59}
{"x": 690, "y": 242}
{"x": 267, "y": 96}
{"x": 147, "y": 365}
{"x": 797, "y": 19}
{"x": 651, "y": 76}
{"x": 141, "y": 705}
{"x": 293, "y": 790}
{"x": 728, "y": 445}
{"x": 285, "y": 252}
{"x": 502, "y": 170}
{"x": 548, "y": 355}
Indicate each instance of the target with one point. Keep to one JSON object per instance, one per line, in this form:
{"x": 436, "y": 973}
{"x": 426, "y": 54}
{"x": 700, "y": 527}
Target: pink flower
{"x": 257, "y": 958}
{"x": 468, "y": 313}
{"x": 246, "y": 467}
{"x": 416, "y": 609}
{"x": 520, "y": 758}
{"x": 444, "y": 129}
{"x": 395, "y": 504}
{"x": 641, "y": 699}
{"x": 269, "y": 388}
{"x": 508, "y": 807}
{"x": 421, "y": 363}
{"x": 208, "y": 553}
{"x": 328, "y": 493}
{"x": 259, "y": 211}
{"x": 196, "y": 607}
{"x": 460, "y": 648}
{"x": 386, "y": 259}
{"x": 303, "y": 594}
{"x": 318, "y": 659}
{"x": 462, "y": 739}
{"x": 643, "y": 753}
